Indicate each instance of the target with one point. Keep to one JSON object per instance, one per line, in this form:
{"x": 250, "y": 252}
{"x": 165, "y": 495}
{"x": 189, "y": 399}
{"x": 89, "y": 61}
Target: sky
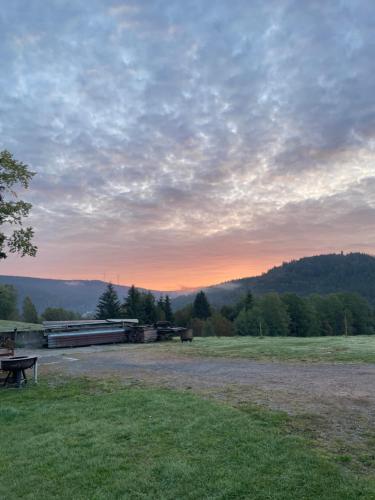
{"x": 181, "y": 143}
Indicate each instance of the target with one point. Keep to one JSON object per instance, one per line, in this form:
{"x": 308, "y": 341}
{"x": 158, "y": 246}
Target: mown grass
{"x": 9, "y": 326}
{"x": 88, "y": 440}
{"x": 340, "y": 349}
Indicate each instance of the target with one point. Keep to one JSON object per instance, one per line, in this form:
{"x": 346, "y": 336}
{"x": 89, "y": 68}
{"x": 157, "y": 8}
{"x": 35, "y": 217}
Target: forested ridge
{"x": 321, "y": 274}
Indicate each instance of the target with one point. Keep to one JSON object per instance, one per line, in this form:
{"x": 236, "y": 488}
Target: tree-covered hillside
{"x": 76, "y": 295}
{"x": 322, "y": 274}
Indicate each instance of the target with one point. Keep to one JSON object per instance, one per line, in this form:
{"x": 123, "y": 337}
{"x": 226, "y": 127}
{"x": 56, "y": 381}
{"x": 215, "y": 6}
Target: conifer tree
{"x": 201, "y": 307}
{"x": 109, "y": 304}
{"x": 248, "y": 301}
{"x": 160, "y": 309}
{"x": 149, "y": 314}
{"x": 133, "y": 303}
{"x": 168, "y": 309}
{"x": 29, "y": 312}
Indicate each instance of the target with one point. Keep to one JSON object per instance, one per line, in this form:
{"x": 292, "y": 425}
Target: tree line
{"x": 270, "y": 314}
{"x": 276, "y": 314}
{"x": 137, "y": 304}
{"x": 29, "y": 313}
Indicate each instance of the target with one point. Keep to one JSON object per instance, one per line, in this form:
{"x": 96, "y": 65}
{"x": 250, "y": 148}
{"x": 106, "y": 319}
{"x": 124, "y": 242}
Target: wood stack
{"x": 186, "y": 335}
{"x": 150, "y": 335}
{"x": 142, "y": 334}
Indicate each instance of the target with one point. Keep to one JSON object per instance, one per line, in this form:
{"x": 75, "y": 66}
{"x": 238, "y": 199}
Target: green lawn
{"x": 88, "y": 440}
{"x": 9, "y": 326}
{"x": 345, "y": 349}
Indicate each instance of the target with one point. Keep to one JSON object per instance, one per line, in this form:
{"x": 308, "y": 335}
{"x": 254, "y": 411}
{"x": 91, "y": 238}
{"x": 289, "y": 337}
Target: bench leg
{"x": 35, "y": 372}
{"x": 19, "y": 378}
{"x": 7, "y": 378}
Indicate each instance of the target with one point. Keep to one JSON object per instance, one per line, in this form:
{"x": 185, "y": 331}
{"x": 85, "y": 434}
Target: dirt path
{"x": 306, "y": 385}
{"x": 338, "y": 398}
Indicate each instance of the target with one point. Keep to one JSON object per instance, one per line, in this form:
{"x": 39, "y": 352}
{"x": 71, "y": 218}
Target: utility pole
{"x": 260, "y": 329}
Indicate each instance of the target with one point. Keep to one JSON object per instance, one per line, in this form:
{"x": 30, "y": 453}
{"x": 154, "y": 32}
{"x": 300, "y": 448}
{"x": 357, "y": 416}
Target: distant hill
{"x": 353, "y": 272}
{"x": 76, "y": 295}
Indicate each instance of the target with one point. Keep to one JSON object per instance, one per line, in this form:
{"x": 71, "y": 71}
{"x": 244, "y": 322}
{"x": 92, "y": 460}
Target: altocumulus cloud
{"x": 189, "y": 142}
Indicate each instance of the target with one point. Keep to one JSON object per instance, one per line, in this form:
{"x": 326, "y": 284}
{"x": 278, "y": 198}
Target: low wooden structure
{"x": 86, "y": 338}
{"x": 7, "y": 344}
{"x": 88, "y": 332}
{"x": 111, "y": 331}
{"x": 142, "y": 334}
{"x": 186, "y": 335}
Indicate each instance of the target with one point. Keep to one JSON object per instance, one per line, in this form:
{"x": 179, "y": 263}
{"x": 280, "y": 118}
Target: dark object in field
{"x": 187, "y": 335}
{"x": 167, "y": 332}
{"x": 16, "y": 366}
{"x": 7, "y": 343}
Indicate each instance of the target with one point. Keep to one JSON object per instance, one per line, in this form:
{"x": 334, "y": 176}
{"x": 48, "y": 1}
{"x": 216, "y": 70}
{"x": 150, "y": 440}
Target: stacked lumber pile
{"x": 81, "y": 333}
{"x": 142, "y": 334}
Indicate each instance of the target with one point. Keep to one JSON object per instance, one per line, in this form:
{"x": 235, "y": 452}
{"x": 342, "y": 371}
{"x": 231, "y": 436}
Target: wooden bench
{"x": 6, "y": 346}
{"x": 6, "y": 351}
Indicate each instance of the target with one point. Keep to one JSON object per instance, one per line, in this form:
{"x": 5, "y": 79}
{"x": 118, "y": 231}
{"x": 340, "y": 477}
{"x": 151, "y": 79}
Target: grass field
{"x": 341, "y": 349}
{"x": 88, "y": 440}
{"x": 8, "y": 326}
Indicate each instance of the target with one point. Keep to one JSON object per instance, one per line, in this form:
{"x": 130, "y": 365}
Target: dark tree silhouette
{"x": 109, "y": 304}
{"x": 201, "y": 307}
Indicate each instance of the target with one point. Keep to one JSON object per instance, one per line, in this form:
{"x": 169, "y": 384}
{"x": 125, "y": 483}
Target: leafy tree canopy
{"x": 29, "y": 312}
{"x": 286, "y": 314}
{"x": 303, "y": 321}
{"x": 251, "y": 322}
{"x": 13, "y": 210}
{"x": 59, "y": 314}
{"x": 8, "y": 302}
{"x": 218, "y": 325}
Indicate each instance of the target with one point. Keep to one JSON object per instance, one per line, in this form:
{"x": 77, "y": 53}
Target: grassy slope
{"x": 83, "y": 441}
{"x": 347, "y": 349}
{"x": 8, "y": 326}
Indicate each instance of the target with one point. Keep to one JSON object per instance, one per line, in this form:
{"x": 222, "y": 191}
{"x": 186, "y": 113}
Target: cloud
{"x": 232, "y": 135}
